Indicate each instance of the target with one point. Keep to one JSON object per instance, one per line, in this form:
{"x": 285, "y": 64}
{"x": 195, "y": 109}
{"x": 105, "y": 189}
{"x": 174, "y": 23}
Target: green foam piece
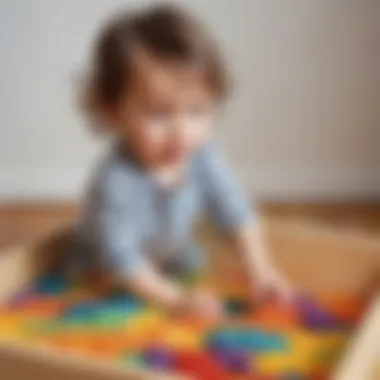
{"x": 110, "y": 319}
{"x": 134, "y": 360}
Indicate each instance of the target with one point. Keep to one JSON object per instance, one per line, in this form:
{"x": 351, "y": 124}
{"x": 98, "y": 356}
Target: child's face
{"x": 167, "y": 112}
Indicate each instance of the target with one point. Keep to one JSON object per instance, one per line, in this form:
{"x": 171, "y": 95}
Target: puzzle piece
{"x": 134, "y": 360}
{"x": 200, "y": 365}
{"x": 43, "y": 306}
{"x": 278, "y": 364}
{"x": 275, "y": 316}
{"x": 345, "y": 309}
{"x": 160, "y": 358}
{"x": 234, "y": 361}
{"x": 21, "y": 297}
{"x": 247, "y": 339}
{"x": 315, "y": 316}
{"x": 51, "y": 285}
{"x": 10, "y": 327}
{"x": 181, "y": 337}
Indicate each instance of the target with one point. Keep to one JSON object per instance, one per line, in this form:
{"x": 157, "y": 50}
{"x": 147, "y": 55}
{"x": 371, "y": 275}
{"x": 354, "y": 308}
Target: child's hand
{"x": 201, "y": 303}
{"x": 269, "y": 282}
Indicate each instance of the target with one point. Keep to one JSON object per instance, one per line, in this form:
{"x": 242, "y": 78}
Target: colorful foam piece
{"x": 160, "y": 358}
{"x": 293, "y": 376}
{"x": 100, "y": 313}
{"x": 21, "y": 297}
{"x": 107, "y": 345}
{"x": 134, "y": 360}
{"x": 109, "y": 319}
{"x": 122, "y": 301}
{"x": 51, "y": 284}
{"x": 329, "y": 356}
{"x": 346, "y": 309}
{"x": 181, "y": 337}
{"x": 201, "y": 366}
{"x": 233, "y": 360}
{"x": 248, "y": 339}
{"x": 314, "y": 316}
{"x": 44, "y": 306}
{"x": 275, "y": 316}
{"x": 82, "y": 311}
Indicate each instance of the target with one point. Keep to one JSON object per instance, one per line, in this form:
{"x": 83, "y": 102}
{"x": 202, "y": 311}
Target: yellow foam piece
{"x": 10, "y": 327}
{"x": 303, "y": 340}
{"x": 276, "y": 364}
{"x": 180, "y": 337}
{"x": 304, "y": 354}
{"x": 148, "y": 320}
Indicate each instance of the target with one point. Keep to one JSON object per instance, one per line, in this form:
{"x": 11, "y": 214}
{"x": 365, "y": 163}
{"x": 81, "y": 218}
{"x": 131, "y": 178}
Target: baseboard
{"x": 313, "y": 183}
{"x": 279, "y": 184}
{"x": 46, "y": 184}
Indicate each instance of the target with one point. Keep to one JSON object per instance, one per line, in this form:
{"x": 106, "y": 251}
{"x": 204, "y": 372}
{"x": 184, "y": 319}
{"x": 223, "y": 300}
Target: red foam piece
{"x": 200, "y": 366}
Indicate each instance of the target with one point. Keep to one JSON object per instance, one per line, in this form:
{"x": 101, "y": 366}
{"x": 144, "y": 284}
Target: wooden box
{"x": 316, "y": 260}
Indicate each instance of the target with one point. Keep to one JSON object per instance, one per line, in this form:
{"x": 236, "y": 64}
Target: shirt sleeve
{"x": 225, "y": 200}
{"x": 117, "y": 230}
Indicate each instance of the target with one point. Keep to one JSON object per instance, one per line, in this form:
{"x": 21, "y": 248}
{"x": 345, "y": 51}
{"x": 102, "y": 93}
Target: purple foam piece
{"x": 235, "y": 361}
{"x": 21, "y": 297}
{"x": 159, "y": 358}
{"x": 314, "y": 316}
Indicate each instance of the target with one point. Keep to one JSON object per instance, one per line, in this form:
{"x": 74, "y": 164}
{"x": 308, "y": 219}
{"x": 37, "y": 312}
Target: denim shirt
{"x": 130, "y": 220}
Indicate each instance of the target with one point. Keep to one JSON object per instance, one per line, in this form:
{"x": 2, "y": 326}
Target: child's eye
{"x": 158, "y": 116}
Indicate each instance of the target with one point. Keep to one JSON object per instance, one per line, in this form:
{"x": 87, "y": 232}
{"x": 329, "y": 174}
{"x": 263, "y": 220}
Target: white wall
{"x": 302, "y": 121}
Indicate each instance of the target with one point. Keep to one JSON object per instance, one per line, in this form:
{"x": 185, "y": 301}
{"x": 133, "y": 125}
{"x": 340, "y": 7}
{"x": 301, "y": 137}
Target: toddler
{"x": 156, "y": 84}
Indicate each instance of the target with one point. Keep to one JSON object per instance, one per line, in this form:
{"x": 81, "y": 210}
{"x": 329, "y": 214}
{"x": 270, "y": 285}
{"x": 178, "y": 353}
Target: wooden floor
{"x": 21, "y": 222}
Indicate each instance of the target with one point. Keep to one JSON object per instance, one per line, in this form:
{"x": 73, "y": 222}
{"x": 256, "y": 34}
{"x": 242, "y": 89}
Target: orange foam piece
{"x": 109, "y": 346}
{"x": 44, "y": 306}
{"x": 276, "y": 316}
{"x": 68, "y": 342}
{"x": 345, "y": 308}
{"x": 94, "y": 344}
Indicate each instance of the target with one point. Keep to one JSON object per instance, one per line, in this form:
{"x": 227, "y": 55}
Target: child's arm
{"x": 156, "y": 289}
{"x": 231, "y": 210}
{"x": 152, "y": 287}
{"x": 117, "y": 233}
{"x": 248, "y": 241}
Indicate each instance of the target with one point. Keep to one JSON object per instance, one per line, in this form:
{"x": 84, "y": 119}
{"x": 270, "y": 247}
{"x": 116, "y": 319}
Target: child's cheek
{"x": 198, "y": 132}
{"x": 150, "y": 138}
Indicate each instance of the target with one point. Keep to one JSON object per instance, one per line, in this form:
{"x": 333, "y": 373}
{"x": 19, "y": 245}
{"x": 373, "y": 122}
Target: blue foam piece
{"x": 123, "y": 304}
{"x": 51, "y": 284}
{"x": 248, "y": 340}
{"x": 101, "y": 311}
{"x": 83, "y": 311}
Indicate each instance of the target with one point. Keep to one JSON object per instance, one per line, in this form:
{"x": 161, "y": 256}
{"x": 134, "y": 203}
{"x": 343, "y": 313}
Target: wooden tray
{"x": 315, "y": 260}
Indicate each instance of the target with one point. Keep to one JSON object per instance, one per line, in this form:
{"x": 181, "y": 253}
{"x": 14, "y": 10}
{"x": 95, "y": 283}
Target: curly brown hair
{"x": 164, "y": 31}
